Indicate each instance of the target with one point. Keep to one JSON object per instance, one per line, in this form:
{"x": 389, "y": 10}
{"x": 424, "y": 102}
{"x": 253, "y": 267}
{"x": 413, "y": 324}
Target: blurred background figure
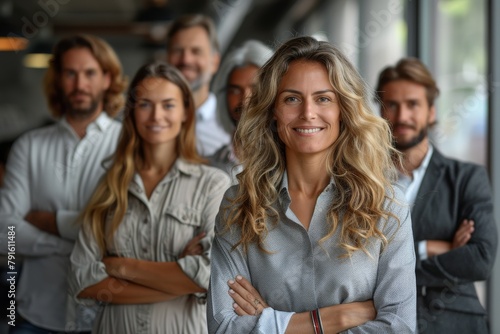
{"x": 5, "y": 147}
{"x": 51, "y": 173}
{"x": 451, "y": 204}
{"x": 193, "y": 48}
{"x": 233, "y": 85}
{"x": 144, "y": 249}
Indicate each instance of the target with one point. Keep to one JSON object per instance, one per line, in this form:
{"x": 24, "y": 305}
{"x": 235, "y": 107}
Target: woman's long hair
{"x": 111, "y": 194}
{"x": 359, "y": 160}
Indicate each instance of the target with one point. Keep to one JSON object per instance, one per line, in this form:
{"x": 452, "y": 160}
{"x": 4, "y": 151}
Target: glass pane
{"x": 371, "y": 33}
{"x": 458, "y": 60}
{"x": 460, "y": 70}
{"x": 382, "y": 36}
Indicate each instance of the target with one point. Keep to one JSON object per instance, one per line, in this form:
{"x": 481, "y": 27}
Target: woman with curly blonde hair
{"x": 144, "y": 247}
{"x": 314, "y": 238}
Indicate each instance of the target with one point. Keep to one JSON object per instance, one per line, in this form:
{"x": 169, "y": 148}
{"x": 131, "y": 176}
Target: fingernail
{"x": 231, "y": 291}
{"x": 230, "y": 281}
{"x": 235, "y": 305}
{"x": 239, "y": 277}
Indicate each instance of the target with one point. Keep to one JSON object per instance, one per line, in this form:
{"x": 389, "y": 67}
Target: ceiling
{"x": 51, "y": 18}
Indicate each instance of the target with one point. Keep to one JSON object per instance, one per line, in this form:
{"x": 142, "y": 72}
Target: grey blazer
{"x": 450, "y": 192}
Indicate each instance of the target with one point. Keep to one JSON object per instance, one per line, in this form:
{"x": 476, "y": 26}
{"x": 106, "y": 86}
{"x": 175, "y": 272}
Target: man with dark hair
{"x": 452, "y": 211}
{"x": 193, "y": 48}
{"x": 50, "y": 175}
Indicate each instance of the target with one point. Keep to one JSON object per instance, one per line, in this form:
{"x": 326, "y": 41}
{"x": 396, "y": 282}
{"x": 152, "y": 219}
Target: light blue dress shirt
{"x": 410, "y": 186}
{"x": 301, "y": 274}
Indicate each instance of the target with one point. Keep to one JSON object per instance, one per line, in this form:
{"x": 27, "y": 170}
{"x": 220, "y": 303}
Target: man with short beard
{"x": 451, "y": 206}
{"x": 193, "y": 48}
{"x": 52, "y": 172}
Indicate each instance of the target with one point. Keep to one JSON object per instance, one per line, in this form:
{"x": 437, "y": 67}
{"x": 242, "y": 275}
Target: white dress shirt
{"x": 210, "y": 135}
{"x": 52, "y": 169}
{"x": 410, "y": 186}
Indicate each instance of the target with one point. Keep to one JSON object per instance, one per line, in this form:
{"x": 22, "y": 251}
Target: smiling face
{"x": 190, "y": 51}
{"x": 406, "y": 108}
{"x": 306, "y": 109}
{"x": 159, "y": 111}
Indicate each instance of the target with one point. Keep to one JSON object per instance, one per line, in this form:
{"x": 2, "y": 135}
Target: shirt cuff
{"x": 422, "y": 250}
{"x": 272, "y": 321}
{"x": 67, "y": 225}
{"x": 197, "y": 268}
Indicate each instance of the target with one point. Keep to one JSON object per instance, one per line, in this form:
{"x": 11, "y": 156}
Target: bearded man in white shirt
{"x": 193, "y": 48}
{"x": 50, "y": 175}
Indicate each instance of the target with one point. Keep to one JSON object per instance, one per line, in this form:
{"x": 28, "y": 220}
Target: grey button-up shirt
{"x": 182, "y": 205}
{"x": 302, "y": 275}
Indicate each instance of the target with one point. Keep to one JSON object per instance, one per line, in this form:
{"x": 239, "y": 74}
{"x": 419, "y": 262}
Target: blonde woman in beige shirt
{"x": 144, "y": 248}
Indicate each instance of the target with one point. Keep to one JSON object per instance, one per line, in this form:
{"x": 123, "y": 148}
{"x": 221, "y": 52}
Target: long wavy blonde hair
{"x": 359, "y": 161}
{"x": 111, "y": 194}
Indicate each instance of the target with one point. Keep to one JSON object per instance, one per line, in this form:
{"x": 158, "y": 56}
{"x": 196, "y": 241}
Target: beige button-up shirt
{"x": 182, "y": 205}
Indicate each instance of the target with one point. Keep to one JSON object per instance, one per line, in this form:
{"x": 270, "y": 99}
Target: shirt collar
{"x": 427, "y": 158}
{"x": 101, "y": 123}
{"x": 420, "y": 170}
{"x": 187, "y": 168}
{"x": 284, "y": 196}
{"x": 206, "y": 111}
{"x": 179, "y": 166}
{"x": 423, "y": 166}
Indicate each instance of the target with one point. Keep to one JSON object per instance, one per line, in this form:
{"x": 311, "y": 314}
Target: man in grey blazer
{"x": 452, "y": 211}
